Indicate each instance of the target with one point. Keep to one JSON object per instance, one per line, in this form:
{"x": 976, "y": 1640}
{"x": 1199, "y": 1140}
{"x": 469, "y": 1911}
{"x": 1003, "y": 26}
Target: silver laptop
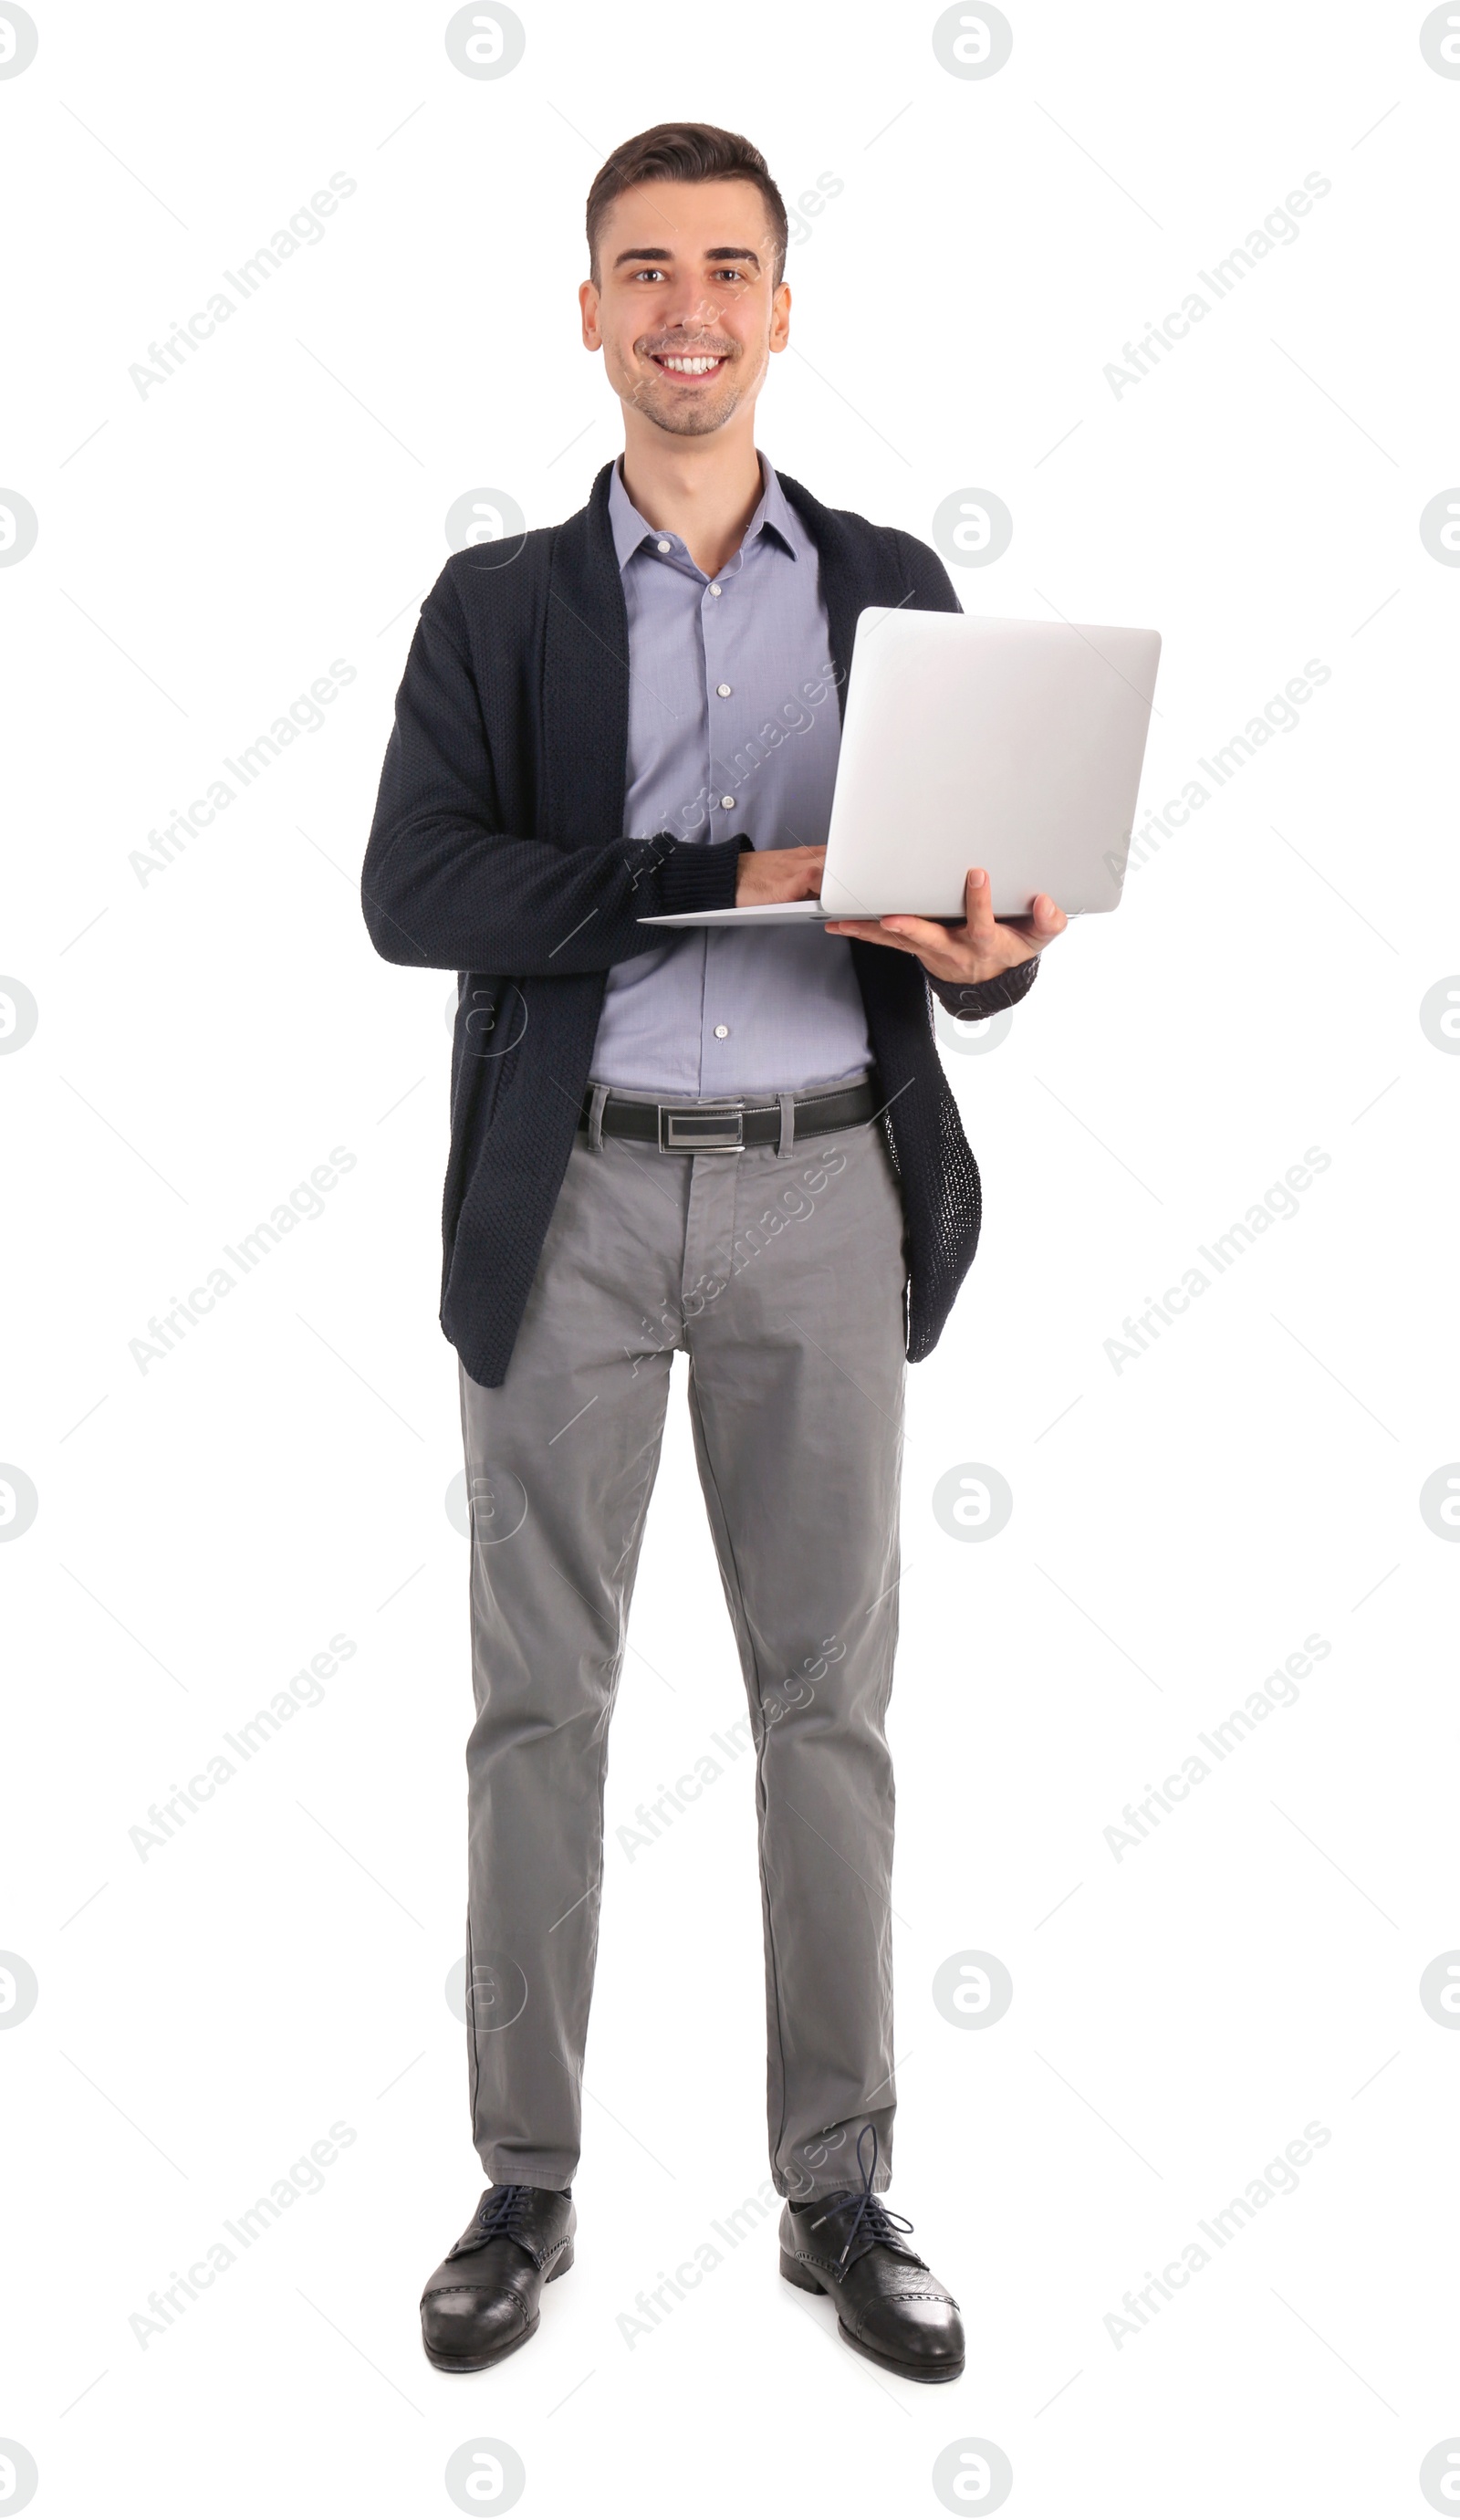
{"x": 1015, "y": 745}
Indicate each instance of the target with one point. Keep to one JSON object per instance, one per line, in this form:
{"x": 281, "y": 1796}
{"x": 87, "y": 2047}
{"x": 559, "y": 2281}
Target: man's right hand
{"x": 778, "y": 875}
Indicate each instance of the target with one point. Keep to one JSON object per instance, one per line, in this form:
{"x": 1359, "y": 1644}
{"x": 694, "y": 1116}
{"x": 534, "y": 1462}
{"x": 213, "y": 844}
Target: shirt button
{"x": 726, "y": 802}
{"x": 723, "y": 690}
{"x": 662, "y": 546}
{"x": 716, "y": 590}
{"x": 721, "y": 1032}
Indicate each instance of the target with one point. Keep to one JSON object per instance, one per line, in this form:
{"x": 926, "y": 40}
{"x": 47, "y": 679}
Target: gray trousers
{"x": 781, "y": 1275}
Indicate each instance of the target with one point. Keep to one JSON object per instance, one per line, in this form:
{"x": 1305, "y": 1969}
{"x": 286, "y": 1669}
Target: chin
{"x": 692, "y": 423}
{"x": 691, "y": 419}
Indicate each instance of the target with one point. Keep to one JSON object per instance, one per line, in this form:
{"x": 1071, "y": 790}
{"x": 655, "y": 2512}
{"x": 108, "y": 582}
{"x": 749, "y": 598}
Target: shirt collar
{"x": 773, "y": 512}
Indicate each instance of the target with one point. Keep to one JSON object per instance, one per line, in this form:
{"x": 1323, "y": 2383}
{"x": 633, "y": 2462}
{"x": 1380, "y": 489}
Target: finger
{"x": 881, "y": 931}
{"x": 921, "y": 936}
{"x": 1045, "y": 920}
{"x": 978, "y": 905}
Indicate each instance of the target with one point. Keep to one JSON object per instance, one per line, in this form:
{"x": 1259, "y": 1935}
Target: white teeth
{"x": 690, "y": 367}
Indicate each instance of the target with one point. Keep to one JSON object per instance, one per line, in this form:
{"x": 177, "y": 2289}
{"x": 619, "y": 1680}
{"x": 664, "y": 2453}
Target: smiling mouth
{"x": 688, "y": 367}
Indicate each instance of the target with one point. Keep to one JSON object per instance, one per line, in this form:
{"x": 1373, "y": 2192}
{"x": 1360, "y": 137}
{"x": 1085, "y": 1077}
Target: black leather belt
{"x": 722, "y": 1128}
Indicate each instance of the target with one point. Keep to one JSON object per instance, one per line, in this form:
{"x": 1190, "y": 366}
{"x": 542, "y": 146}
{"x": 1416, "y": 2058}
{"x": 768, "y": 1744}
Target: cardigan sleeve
{"x": 986, "y": 997}
{"x": 443, "y": 887}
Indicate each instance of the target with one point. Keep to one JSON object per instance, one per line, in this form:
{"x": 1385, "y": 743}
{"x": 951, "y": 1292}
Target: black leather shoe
{"x": 484, "y": 2299}
{"x": 890, "y": 2307}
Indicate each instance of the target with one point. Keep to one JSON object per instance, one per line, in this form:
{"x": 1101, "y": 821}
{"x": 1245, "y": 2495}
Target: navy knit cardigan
{"x": 497, "y": 851}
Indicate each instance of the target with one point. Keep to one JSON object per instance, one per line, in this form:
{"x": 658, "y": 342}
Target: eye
{"x": 651, "y": 271}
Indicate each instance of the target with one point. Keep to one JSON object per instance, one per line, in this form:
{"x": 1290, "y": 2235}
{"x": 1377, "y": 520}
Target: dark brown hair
{"x": 684, "y": 152}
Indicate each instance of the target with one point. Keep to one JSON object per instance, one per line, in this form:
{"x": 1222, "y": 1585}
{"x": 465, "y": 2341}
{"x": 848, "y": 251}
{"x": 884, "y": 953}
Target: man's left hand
{"x": 979, "y": 950}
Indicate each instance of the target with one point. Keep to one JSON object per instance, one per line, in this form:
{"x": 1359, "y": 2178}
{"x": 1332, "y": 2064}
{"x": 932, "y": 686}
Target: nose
{"x": 689, "y": 310}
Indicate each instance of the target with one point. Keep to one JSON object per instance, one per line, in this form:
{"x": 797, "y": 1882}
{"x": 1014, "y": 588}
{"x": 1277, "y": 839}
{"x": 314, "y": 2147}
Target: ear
{"x": 780, "y": 316}
{"x": 588, "y": 300}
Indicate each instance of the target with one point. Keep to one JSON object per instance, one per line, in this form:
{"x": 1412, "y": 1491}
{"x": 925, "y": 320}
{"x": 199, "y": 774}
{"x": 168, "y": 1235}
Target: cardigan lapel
{"x": 585, "y": 689}
{"x": 584, "y": 693}
{"x": 845, "y": 584}
{"x": 893, "y": 983}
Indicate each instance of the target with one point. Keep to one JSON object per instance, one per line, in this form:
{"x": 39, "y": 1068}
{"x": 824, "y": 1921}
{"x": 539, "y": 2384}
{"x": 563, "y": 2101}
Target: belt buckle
{"x": 701, "y": 1128}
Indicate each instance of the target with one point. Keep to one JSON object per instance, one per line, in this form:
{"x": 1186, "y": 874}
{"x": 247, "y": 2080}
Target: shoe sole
{"x": 484, "y": 2362}
{"x": 796, "y": 2274}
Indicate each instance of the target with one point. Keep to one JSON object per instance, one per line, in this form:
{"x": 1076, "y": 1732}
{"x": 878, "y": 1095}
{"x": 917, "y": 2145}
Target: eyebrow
{"x": 665, "y": 253}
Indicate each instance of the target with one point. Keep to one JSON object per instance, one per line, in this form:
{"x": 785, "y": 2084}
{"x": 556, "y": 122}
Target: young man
{"x": 732, "y": 1142}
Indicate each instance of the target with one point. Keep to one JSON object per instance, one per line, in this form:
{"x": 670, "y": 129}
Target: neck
{"x": 705, "y": 489}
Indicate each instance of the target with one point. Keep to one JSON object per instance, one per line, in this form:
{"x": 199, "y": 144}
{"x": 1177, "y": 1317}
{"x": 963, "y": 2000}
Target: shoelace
{"x": 873, "y": 2221}
{"x": 503, "y": 2212}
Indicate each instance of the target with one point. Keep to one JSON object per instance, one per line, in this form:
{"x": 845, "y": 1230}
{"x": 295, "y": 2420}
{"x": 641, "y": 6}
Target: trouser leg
{"x": 797, "y": 1366}
{"x": 561, "y": 1460}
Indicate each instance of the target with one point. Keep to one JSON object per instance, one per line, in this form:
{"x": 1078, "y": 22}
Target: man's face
{"x": 685, "y": 311}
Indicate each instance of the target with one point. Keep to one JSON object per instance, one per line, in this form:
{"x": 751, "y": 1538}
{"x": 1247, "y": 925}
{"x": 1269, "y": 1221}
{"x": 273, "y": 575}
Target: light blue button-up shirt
{"x": 733, "y": 726}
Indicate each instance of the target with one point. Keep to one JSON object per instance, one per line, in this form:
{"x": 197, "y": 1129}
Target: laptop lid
{"x": 1015, "y": 745}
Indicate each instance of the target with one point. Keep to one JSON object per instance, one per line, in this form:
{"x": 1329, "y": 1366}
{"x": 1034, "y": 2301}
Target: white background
{"x": 204, "y": 1038}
